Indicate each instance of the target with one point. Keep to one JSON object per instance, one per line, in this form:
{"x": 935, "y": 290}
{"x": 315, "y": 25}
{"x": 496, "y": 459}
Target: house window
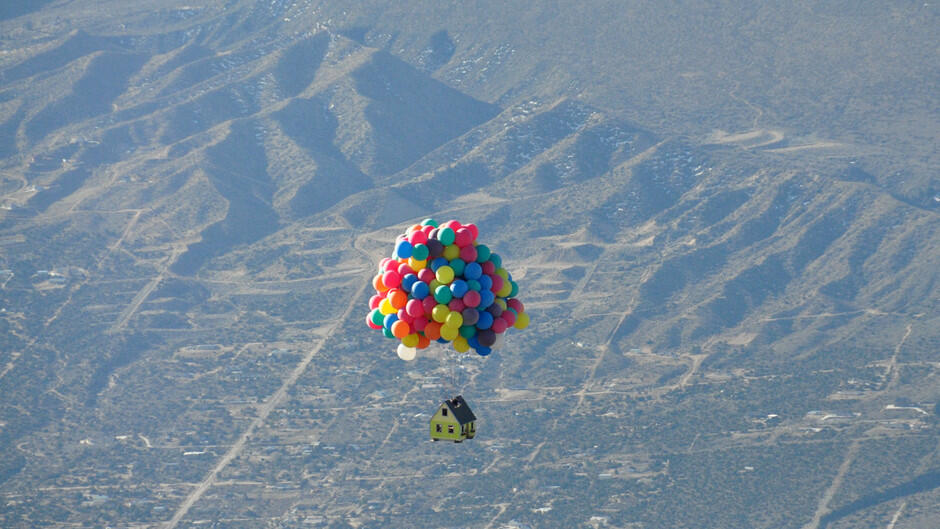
{"x": 444, "y": 412}
{"x": 438, "y": 428}
{"x": 450, "y": 428}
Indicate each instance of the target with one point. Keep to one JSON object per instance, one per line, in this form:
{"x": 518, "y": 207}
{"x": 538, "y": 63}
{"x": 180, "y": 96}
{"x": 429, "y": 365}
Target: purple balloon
{"x": 470, "y": 316}
{"x": 486, "y": 337}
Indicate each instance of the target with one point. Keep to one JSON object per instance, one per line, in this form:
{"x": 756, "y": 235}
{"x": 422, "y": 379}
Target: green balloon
{"x": 446, "y": 236}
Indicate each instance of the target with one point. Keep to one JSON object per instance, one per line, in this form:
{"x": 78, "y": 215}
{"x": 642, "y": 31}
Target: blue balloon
{"x": 438, "y": 262}
{"x": 487, "y": 297}
{"x": 483, "y": 351}
{"x": 485, "y": 320}
{"x": 473, "y": 341}
{"x": 408, "y": 281}
{"x": 458, "y": 288}
{"x": 486, "y": 282}
{"x": 403, "y": 249}
{"x": 420, "y": 290}
{"x": 472, "y": 270}
{"x": 389, "y": 320}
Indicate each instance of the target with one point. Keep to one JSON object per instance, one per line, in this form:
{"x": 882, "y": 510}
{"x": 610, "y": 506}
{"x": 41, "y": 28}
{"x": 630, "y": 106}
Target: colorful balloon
{"x": 441, "y": 284}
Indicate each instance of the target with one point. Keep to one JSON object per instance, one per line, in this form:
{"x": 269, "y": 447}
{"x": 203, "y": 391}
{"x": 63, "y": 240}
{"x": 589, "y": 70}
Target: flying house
{"x": 453, "y": 421}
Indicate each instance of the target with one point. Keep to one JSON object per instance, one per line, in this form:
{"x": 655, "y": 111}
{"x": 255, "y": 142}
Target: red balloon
{"x": 499, "y": 325}
{"x": 516, "y": 305}
{"x": 419, "y": 324}
{"x": 456, "y": 305}
{"x": 509, "y": 317}
{"x": 489, "y": 267}
{"x": 391, "y": 264}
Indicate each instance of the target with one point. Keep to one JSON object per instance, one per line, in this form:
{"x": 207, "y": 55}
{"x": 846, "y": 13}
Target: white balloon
{"x": 406, "y": 353}
{"x": 498, "y": 344}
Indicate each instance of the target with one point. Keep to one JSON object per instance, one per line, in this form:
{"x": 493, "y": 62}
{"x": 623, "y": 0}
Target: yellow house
{"x": 453, "y": 421}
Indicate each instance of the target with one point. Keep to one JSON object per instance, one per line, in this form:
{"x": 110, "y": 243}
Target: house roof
{"x": 461, "y": 410}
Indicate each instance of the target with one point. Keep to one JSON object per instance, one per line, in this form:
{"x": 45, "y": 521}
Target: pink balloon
{"x": 471, "y": 298}
{"x": 515, "y": 304}
{"x": 405, "y": 317}
{"x": 391, "y": 279}
{"x": 489, "y": 267}
{"x": 415, "y": 308}
{"x": 419, "y": 324}
{"x": 463, "y": 237}
{"x": 391, "y": 265}
{"x": 429, "y": 304}
{"x": 456, "y": 304}
{"x": 468, "y": 253}
{"x": 418, "y": 237}
{"x": 452, "y": 224}
{"x": 473, "y": 230}
{"x": 499, "y": 325}
{"x": 404, "y": 269}
{"x": 509, "y": 317}
{"x": 427, "y": 275}
{"x": 497, "y": 283}
{"x": 375, "y": 300}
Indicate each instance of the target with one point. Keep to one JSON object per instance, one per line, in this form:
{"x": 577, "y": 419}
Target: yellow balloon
{"x": 501, "y": 302}
{"x": 433, "y": 284}
{"x": 416, "y": 264}
{"x": 445, "y": 275}
{"x": 386, "y": 308}
{"x": 522, "y": 321}
{"x": 451, "y": 252}
{"x": 461, "y": 345}
{"x": 501, "y": 272}
{"x": 454, "y": 319}
{"x": 505, "y": 290}
{"x": 439, "y": 313}
{"x": 411, "y": 340}
{"x": 449, "y": 333}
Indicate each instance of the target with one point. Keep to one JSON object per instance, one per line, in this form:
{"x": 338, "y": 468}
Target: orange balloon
{"x": 378, "y": 284}
{"x": 423, "y": 341}
{"x": 400, "y": 329}
{"x": 433, "y": 330}
{"x": 398, "y": 298}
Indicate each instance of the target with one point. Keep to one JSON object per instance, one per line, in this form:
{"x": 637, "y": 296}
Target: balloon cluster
{"x": 441, "y": 284}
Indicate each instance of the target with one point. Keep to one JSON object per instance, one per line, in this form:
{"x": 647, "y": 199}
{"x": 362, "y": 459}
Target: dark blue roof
{"x": 461, "y": 410}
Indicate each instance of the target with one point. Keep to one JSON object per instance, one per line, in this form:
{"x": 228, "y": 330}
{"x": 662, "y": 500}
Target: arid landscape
{"x": 723, "y": 222}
